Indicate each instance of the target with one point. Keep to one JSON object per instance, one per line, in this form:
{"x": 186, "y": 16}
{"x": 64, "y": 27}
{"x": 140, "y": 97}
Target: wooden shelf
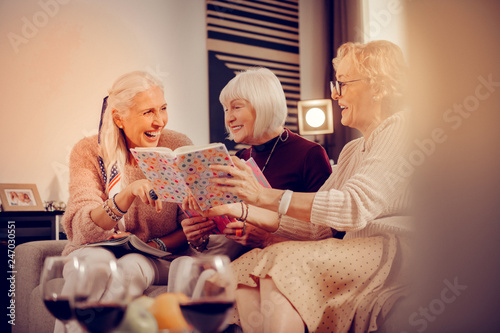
{"x": 31, "y": 225}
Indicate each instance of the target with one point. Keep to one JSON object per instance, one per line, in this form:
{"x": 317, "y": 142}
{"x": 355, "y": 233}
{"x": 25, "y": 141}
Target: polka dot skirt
{"x": 335, "y": 285}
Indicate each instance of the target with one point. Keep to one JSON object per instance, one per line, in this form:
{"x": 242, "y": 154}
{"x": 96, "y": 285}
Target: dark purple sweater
{"x": 297, "y": 164}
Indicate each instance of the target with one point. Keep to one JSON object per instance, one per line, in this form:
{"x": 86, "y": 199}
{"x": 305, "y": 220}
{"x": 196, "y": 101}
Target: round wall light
{"x": 315, "y": 116}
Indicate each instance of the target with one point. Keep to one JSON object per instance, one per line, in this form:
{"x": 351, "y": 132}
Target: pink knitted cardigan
{"x": 87, "y": 191}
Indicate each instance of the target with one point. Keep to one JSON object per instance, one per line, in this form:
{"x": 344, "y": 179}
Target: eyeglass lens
{"x": 336, "y": 86}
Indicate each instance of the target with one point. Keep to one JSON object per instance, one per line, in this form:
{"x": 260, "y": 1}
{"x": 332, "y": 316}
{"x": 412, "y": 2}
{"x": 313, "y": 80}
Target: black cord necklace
{"x": 278, "y": 138}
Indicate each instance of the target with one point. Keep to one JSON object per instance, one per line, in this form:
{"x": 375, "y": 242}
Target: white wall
{"x": 59, "y": 57}
{"x": 384, "y": 19}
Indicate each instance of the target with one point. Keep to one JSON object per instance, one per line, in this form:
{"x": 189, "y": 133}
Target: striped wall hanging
{"x": 248, "y": 33}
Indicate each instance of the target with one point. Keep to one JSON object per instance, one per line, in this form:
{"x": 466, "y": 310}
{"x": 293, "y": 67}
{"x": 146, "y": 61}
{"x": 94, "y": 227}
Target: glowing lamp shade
{"x": 315, "y": 116}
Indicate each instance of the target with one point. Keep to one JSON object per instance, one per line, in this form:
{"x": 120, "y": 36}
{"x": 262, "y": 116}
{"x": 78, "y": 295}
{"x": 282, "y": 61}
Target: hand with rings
{"x": 242, "y": 181}
{"x": 253, "y": 236}
{"x": 197, "y": 227}
{"x": 142, "y": 189}
{"x": 241, "y": 232}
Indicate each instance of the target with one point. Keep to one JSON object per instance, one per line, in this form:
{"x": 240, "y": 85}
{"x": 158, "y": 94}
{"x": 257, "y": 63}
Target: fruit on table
{"x": 145, "y": 301}
{"x": 137, "y": 320}
{"x": 165, "y": 308}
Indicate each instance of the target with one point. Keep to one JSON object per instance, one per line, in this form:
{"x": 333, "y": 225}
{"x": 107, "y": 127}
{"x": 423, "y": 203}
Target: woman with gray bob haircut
{"x": 262, "y": 89}
{"x": 255, "y": 110}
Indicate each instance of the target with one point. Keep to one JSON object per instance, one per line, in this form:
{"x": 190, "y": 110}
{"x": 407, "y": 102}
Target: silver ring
{"x": 153, "y": 195}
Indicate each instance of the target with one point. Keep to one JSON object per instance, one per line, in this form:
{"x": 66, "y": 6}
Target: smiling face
{"x": 359, "y": 108}
{"x": 145, "y": 120}
{"x": 239, "y": 116}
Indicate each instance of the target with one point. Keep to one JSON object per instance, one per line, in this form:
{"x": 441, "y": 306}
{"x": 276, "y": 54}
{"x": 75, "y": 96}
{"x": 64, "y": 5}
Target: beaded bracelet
{"x": 110, "y": 213}
{"x": 116, "y": 207}
{"x": 160, "y": 244}
{"x": 202, "y": 247}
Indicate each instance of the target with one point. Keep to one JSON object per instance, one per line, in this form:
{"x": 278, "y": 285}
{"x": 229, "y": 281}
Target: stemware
{"x": 100, "y": 295}
{"x": 56, "y": 297}
{"x": 208, "y": 285}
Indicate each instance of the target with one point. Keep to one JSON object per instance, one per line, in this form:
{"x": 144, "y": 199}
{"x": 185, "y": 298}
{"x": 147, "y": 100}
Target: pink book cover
{"x": 257, "y": 172}
{"x": 220, "y": 221}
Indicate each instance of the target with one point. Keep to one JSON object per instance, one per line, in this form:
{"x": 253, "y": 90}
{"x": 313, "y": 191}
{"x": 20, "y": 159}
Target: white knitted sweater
{"x": 368, "y": 191}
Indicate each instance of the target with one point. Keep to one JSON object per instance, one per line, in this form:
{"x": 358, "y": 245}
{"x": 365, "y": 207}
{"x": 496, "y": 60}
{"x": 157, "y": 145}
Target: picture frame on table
{"x": 20, "y": 197}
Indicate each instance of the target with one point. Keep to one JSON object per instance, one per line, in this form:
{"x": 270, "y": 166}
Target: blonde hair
{"x": 383, "y": 64}
{"x": 262, "y": 89}
{"x": 113, "y": 143}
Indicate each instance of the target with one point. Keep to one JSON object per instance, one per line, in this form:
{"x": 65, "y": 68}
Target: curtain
{"x": 345, "y": 24}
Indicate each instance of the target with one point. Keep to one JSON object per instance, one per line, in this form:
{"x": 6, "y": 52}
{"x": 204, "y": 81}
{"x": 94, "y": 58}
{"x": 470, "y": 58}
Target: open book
{"x": 222, "y": 221}
{"x": 130, "y": 244}
{"x": 176, "y": 174}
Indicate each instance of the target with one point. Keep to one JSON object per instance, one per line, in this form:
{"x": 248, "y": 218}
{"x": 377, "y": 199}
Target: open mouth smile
{"x": 153, "y": 135}
{"x": 236, "y": 128}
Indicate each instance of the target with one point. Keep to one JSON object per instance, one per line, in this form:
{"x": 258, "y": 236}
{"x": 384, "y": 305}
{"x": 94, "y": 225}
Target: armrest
{"x": 29, "y": 262}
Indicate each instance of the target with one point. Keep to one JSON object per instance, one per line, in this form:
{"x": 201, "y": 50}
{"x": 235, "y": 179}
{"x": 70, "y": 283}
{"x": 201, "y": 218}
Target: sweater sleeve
{"x": 294, "y": 229}
{"x": 86, "y": 189}
{"x": 373, "y": 186}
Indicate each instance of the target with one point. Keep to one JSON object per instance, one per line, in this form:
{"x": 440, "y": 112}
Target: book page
{"x": 159, "y": 150}
{"x": 129, "y": 244}
{"x": 193, "y": 148}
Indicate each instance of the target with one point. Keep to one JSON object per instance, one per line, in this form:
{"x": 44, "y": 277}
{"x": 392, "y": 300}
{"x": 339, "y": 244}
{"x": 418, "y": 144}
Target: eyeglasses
{"x": 338, "y": 86}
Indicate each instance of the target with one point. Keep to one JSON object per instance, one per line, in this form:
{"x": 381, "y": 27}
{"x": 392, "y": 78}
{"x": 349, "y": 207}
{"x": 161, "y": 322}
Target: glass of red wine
{"x": 100, "y": 295}
{"x": 56, "y": 298}
{"x": 208, "y": 283}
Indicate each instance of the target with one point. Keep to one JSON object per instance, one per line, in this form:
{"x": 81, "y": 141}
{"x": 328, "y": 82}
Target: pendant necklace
{"x": 278, "y": 138}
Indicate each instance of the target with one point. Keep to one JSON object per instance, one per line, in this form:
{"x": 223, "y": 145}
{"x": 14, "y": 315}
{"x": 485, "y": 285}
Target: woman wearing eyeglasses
{"x": 335, "y": 285}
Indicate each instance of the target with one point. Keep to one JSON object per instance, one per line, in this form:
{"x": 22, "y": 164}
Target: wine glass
{"x": 100, "y": 295}
{"x": 58, "y": 299}
{"x": 208, "y": 285}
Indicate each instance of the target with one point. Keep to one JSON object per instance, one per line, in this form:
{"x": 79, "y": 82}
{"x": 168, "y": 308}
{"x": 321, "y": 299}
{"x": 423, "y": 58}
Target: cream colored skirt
{"x": 335, "y": 285}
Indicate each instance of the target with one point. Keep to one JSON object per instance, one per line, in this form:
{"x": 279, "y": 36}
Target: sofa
{"x": 31, "y": 314}
{"x": 33, "y": 317}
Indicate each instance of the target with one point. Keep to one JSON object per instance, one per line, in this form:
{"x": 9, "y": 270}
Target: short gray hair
{"x": 262, "y": 89}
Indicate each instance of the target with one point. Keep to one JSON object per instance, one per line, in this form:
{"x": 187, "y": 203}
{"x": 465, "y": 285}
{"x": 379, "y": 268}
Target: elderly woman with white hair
{"x": 110, "y": 196}
{"x": 335, "y": 285}
{"x": 255, "y": 109}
